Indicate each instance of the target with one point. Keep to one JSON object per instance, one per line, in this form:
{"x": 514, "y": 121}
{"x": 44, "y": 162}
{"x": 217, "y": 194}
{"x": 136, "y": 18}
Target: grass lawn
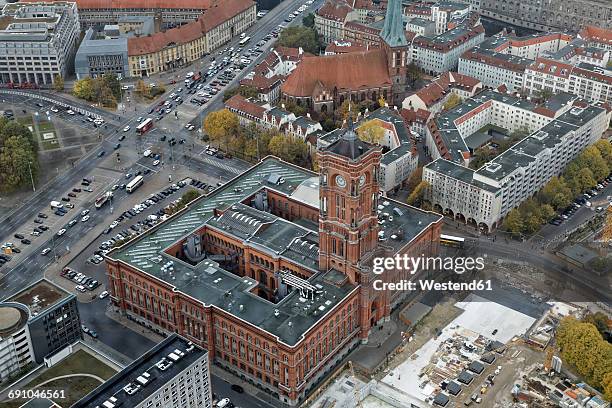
{"x": 74, "y": 387}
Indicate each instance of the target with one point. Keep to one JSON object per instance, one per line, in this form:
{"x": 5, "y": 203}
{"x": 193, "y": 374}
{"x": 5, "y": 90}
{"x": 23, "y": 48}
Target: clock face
{"x": 340, "y": 181}
{"x": 362, "y": 180}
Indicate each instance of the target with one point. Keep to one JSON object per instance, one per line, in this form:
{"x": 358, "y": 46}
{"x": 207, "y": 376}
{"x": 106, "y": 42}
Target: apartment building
{"x": 37, "y": 42}
{"x": 53, "y": 317}
{"x": 15, "y": 342}
{"x": 494, "y": 68}
{"x": 436, "y": 55}
{"x": 559, "y": 131}
{"x": 587, "y": 81}
{"x": 173, "y": 374}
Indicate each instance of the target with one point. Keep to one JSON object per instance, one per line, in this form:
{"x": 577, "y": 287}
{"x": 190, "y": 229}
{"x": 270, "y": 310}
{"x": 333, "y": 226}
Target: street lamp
{"x": 31, "y": 176}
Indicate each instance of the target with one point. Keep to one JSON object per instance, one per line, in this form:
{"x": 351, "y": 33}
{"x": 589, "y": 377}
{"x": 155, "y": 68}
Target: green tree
{"x": 58, "y": 82}
{"x": 414, "y": 179}
{"x": 547, "y": 213}
{"x": 18, "y": 155}
{"x": 586, "y": 179}
{"x": 414, "y": 72}
{"x": 142, "y": 89}
{"x": 289, "y": 149}
{"x": 544, "y": 94}
{"x": 304, "y": 37}
{"x": 556, "y": 193}
{"x": 599, "y": 320}
{"x": 452, "y": 101}
{"x": 591, "y": 158}
{"x": 221, "y": 125}
{"x": 481, "y": 156}
{"x": 84, "y": 89}
{"x": 308, "y": 20}
{"x": 417, "y": 195}
{"x": 111, "y": 81}
{"x": 605, "y": 150}
{"x": 245, "y": 90}
{"x": 297, "y": 110}
{"x": 371, "y": 132}
{"x": 607, "y": 378}
{"x": 513, "y": 222}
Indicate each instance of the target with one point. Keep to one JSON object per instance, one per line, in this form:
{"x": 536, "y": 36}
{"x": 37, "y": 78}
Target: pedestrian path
{"x": 222, "y": 166}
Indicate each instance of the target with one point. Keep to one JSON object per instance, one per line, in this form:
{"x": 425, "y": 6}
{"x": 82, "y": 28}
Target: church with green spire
{"x": 396, "y": 48}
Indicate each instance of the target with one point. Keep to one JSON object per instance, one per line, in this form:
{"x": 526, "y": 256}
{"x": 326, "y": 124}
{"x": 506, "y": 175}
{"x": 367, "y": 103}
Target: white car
{"x": 45, "y": 251}
{"x": 147, "y": 153}
{"x": 54, "y": 109}
{"x": 61, "y": 232}
{"x": 156, "y": 162}
{"x": 139, "y": 119}
{"x": 127, "y": 128}
{"x": 84, "y": 212}
{"x": 113, "y": 224}
{"x": 80, "y": 288}
{"x": 70, "y": 112}
{"x": 103, "y": 294}
{"x": 85, "y": 218}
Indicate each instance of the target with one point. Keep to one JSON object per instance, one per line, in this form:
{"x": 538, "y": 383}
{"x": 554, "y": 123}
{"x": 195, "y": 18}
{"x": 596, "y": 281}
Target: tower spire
{"x": 393, "y": 29}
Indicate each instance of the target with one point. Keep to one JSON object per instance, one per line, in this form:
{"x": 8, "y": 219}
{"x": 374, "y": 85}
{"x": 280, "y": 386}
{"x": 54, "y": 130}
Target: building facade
{"x": 53, "y": 321}
{"x": 550, "y": 15}
{"x": 270, "y": 240}
{"x": 173, "y": 374}
{"x": 37, "y": 42}
{"x": 15, "y": 342}
{"x": 96, "y": 57}
{"x": 183, "y": 45}
{"x": 558, "y": 132}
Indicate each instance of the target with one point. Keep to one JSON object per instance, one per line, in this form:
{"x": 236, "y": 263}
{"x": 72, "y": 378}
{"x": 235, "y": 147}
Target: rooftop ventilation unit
{"x": 144, "y": 379}
{"x": 131, "y": 389}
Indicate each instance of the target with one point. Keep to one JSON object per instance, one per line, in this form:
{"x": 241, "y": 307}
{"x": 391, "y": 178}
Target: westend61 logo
{"x": 458, "y": 265}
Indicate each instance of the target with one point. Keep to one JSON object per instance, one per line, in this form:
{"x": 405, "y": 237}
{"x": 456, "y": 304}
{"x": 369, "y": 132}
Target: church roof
{"x": 393, "y": 30}
{"x": 352, "y": 71}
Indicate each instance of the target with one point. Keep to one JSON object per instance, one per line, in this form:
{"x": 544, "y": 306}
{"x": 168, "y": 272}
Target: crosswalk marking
{"x": 220, "y": 165}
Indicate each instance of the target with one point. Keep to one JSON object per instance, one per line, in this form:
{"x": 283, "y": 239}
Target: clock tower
{"x": 348, "y": 194}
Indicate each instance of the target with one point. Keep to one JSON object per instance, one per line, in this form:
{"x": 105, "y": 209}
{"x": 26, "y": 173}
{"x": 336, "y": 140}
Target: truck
{"x": 56, "y": 204}
{"x": 100, "y": 201}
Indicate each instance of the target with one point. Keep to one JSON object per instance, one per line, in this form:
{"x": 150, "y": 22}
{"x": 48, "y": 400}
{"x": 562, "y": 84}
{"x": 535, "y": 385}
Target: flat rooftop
{"x": 40, "y": 296}
{"x": 145, "y": 375}
{"x": 207, "y": 282}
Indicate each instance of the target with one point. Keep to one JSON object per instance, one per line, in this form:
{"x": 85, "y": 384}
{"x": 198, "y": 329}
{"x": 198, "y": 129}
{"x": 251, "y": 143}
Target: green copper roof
{"x": 393, "y": 30}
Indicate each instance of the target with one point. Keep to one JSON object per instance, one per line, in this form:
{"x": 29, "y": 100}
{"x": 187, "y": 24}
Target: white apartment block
{"x": 444, "y": 11}
{"x": 583, "y": 80}
{"x": 173, "y": 374}
{"x": 440, "y": 54}
{"x": 494, "y": 69}
{"x": 15, "y": 344}
{"x": 483, "y": 197}
{"x": 37, "y": 42}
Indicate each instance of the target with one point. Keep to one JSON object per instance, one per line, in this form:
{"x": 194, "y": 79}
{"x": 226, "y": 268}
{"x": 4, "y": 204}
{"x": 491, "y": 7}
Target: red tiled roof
{"x": 354, "y": 71}
{"x": 261, "y": 82}
{"x": 343, "y": 48}
{"x": 241, "y": 104}
{"x": 551, "y": 67}
{"x": 137, "y": 4}
{"x": 487, "y": 58}
{"x": 212, "y": 17}
{"x": 532, "y": 40}
{"x": 334, "y": 10}
{"x": 436, "y": 90}
{"x": 597, "y": 34}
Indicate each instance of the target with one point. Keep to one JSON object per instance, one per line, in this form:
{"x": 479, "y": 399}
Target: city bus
{"x": 244, "y": 41}
{"x": 144, "y": 126}
{"x": 452, "y": 241}
{"x": 134, "y": 184}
